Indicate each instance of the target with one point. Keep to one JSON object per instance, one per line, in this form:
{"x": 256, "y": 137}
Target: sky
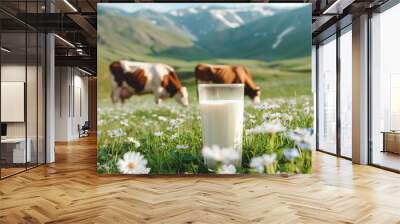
{"x": 164, "y": 7}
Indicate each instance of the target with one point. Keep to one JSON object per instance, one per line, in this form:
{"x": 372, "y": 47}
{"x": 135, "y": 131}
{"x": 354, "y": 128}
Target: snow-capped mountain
{"x": 277, "y": 36}
{"x": 218, "y": 18}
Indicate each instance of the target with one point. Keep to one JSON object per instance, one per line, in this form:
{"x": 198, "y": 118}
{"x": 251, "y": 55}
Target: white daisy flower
{"x": 266, "y": 106}
{"x": 133, "y": 141}
{"x": 174, "y": 136}
{"x": 158, "y": 133}
{"x": 174, "y": 123}
{"x": 181, "y": 147}
{"x": 261, "y": 162}
{"x": 267, "y": 127}
{"x": 302, "y": 138}
{"x": 291, "y": 153}
{"x": 224, "y": 155}
{"x": 307, "y": 110}
{"x": 292, "y": 102}
{"x": 227, "y": 169}
{"x": 101, "y": 122}
{"x": 162, "y": 118}
{"x": 133, "y": 163}
{"x": 251, "y": 116}
{"x": 124, "y": 122}
{"x": 116, "y": 133}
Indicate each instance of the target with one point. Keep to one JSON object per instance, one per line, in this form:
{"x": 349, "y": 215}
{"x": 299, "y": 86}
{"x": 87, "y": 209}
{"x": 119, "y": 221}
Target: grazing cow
{"x": 137, "y": 78}
{"x": 226, "y": 74}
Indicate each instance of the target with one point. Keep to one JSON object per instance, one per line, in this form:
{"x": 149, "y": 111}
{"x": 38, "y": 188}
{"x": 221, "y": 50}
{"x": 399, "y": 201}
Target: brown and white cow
{"x": 137, "y": 78}
{"x": 226, "y": 74}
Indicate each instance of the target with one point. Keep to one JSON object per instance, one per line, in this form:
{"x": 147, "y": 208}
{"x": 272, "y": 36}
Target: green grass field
{"x": 178, "y": 149}
{"x": 134, "y": 126}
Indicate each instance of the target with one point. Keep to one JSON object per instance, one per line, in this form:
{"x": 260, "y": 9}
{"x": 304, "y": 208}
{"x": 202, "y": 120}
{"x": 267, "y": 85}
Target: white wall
{"x": 11, "y": 73}
{"x": 33, "y": 126}
{"x": 62, "y": 82}
{"x": 70, "y": 83}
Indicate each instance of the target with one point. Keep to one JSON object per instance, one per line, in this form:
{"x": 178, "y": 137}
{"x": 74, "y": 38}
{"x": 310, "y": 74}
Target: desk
{"x": 391, "y": 141}
{"x": 13, "y": 150}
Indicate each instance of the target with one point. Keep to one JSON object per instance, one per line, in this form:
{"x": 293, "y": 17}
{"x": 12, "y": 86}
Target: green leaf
{"x": 187, "y": 157}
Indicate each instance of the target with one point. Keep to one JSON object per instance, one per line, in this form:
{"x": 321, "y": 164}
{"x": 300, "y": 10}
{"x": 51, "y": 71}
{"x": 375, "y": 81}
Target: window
{"x": 346, "y": 92}
{"x": 385, "y": 89}
{"x": 327, "y": 95}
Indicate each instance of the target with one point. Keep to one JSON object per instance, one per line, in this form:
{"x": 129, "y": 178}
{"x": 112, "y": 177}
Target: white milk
{"x": 222, "y": 122}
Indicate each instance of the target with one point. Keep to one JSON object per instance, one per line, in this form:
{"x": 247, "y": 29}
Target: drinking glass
{"x": 221, "y": 112}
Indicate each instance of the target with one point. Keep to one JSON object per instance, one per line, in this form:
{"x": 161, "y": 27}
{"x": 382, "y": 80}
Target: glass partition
{"x": 22, "y": 92}
{"x": 13, "y": 94}
{"x": 327, "y": 95}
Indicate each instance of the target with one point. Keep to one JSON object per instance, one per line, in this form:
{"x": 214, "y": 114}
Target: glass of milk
{"x": 221, "y": 112}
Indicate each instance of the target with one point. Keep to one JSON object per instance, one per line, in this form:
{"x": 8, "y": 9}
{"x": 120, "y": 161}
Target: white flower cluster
{"x": 303, "y": 138}
{"x": 116, "y": 133}
{"x": 277, "y": 116}
{"x": 291, "y": 153}
{"x": 223, "y": 157}
{"x": 158, "y": 133}
{"x": 182, "y": 147}
{"x": 266, "y": 106}
{"x": 162, "y": 118}
{"x": 267, "y": 127}
{"x": 133, "y": 163}
{"x": 132, "y": 140}
{"x": 262, "y": 163}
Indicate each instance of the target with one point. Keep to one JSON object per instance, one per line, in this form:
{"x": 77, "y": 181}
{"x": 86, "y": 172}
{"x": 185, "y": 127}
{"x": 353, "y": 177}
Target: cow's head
{"x": 182, "y": 96}
{"x": 172, "y": 87}
{"x": 257, "y": 97}
{"x": 120, "y": 94}
{"x": 254, "y": 94}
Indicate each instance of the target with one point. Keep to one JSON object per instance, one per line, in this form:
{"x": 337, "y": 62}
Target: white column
{"x": 360, "y": 90}
{"x": 50, "y": 94}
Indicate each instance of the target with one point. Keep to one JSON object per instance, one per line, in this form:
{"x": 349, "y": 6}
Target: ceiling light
{"x": 5, "y": 50}
{"x": 65, "y": 41}
{"x": 70, "y": 5}
{"x": 84, "y": 71}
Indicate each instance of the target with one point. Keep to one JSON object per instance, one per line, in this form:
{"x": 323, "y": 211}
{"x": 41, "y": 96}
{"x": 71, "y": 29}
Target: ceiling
{"x": 74, "y": 21}
{"x": 330, "y": 15}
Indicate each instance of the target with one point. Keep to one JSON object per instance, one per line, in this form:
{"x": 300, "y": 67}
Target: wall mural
{"x": 217, "y": 88}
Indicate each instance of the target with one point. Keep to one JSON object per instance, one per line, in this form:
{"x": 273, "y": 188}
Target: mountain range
{"x": 258, "y": 32}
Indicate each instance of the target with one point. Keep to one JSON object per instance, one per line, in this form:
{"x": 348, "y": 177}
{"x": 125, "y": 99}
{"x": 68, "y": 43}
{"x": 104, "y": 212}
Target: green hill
{"x": 121, "y": 36}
